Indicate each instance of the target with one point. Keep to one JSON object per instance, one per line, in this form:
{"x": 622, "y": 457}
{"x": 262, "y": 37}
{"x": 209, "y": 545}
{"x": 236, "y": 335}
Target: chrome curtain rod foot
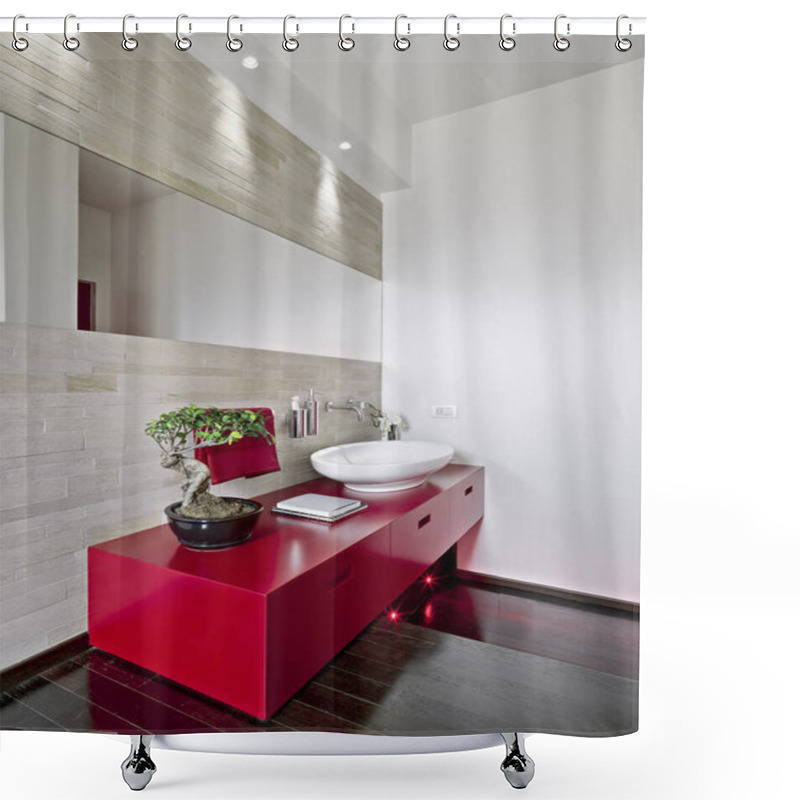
{"x": 517, "y": 766}
{"x": 138, "y": 768}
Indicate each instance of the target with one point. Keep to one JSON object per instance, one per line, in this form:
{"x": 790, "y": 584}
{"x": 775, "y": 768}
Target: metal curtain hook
{"x": 233, "y": 44}
{"x": 622, "y": 44}
{"x": 507, "y": 42}
{"x": 182, "y": 42}
{"x": 401, "y": 42}
{"x": 70, "y": 42}
{"x": 346, "y": 42}
{"x": 561, "y": 43}
{"x": 289, "y": 44}
{"x": 128, "y": 42}
{"x": 451, "y": 42}
{"x": 19, "y": 43}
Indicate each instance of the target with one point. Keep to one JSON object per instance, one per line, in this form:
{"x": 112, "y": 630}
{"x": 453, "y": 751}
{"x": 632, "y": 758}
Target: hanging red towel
{"x": 248, "y": 457}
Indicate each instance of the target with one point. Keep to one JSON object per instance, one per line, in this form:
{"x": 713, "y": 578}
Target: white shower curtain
{"x": 441, "y": 242}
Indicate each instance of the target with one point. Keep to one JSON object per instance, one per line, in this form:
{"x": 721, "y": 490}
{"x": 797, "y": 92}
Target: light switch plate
{"x": 444, "y": 412}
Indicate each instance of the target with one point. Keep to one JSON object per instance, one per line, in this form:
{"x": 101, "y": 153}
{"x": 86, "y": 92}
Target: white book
{"x": 320, "y": 505}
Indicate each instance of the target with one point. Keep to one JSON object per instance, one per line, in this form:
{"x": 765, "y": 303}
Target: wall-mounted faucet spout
{"x": 349, "y": 405}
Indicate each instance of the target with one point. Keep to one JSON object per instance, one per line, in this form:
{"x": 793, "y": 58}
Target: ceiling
{"x": 372, "y": 96}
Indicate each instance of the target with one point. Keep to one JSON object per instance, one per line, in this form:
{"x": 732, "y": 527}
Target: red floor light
{"x": 429, "y": 611}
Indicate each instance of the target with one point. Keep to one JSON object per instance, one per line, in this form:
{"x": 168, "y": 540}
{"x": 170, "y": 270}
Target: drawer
{"x": 466, "y": 502}
{"x": 361, "y": 581}
{"x": 418, "y": 539}
{"x": 314, "y": 616}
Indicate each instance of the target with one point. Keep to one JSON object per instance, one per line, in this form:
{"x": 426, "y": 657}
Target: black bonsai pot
{"x": 214, "y": 534}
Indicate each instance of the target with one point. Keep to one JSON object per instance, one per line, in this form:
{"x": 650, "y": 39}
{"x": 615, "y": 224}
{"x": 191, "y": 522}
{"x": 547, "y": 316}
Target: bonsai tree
{"x": 189, "y": 428}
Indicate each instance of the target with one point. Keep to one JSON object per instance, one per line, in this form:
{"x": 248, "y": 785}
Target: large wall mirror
{"x": 94, "y": 245}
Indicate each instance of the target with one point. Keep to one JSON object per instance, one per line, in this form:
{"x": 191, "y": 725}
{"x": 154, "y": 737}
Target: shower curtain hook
{"x": 183, "y": 43}
{"x": 289, "y": 44}
{"x": 346, "y": 42}
{"x": 451, "y": 42}
{"x": 507, "y": 42}
{"x": 128, "y": 42}
{"x": 622, "y": 44}
{"x": 19, "y": 43}
{"x": 561, "y": 43}
{"x": 401, "y": 42}
{"x": 233, "y": 44}
{"x": 70, "y": 42}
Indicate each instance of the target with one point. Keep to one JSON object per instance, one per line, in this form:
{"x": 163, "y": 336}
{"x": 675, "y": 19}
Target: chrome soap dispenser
{"x": 297, "y": 420}
{"x": 303, "y": 419}
{"x": 312, "y": 414}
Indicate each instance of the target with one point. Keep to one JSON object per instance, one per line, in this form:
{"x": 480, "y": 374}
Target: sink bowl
{"x": 381, "y": 466}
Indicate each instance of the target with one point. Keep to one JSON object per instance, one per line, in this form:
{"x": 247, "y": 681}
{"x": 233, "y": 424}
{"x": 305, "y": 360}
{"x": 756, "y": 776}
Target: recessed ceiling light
{"x": 249, "y": 62}
{"x": 345, "y": 146}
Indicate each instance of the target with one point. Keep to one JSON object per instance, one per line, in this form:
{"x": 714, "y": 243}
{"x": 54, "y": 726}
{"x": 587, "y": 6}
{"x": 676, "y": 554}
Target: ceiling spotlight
{"x": 345, "y": 146}
{"x": 249, "y": 62}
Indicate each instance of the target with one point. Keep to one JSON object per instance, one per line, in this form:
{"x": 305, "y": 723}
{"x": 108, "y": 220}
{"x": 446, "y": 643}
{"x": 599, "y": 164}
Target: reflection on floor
{"x": 457, "y": 657}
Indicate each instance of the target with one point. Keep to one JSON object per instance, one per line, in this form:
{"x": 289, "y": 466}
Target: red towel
{"x": 248, "y": 457}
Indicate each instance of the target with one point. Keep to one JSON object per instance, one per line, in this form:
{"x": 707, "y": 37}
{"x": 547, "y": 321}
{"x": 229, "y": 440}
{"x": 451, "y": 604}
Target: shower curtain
{"x": 361, "y": 243}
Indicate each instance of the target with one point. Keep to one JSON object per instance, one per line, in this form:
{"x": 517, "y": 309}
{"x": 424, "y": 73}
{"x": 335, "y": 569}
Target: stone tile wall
{"x": 163, "y": 113}
{"x": 76, "y": 468}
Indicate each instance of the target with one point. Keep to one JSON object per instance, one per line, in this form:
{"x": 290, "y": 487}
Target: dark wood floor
{"x": 588, "y": 636}
{"x": 457, "y": 658}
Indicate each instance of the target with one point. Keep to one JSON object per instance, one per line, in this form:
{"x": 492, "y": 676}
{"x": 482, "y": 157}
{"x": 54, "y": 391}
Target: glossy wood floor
{"x": 456, "y": 658}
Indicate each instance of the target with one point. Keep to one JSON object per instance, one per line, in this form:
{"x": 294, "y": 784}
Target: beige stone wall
{"x": 76, "y": 468}
{"x": 168, "y": 116}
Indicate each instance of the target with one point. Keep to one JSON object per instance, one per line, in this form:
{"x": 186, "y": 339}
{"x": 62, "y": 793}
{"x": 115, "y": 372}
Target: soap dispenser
{"x": 312, "y": 414}
{"x": 298, "y": 418}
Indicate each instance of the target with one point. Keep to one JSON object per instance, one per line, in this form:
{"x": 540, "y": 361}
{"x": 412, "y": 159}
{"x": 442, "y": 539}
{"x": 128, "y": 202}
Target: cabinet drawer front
{"x": 420, "y": 538}
{"x": 361, "y": 588}
{"x": 466, "y": 502}
{"x": 310, "y": 619}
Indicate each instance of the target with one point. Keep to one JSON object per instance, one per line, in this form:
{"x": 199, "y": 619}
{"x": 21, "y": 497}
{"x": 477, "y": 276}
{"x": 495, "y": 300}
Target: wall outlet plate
{"x": 444, "y": 412}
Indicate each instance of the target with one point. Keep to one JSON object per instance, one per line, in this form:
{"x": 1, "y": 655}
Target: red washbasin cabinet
{"x": 250, "y": 625}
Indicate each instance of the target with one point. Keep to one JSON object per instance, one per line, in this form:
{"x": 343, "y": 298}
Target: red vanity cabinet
{"x": 466, "y": 501}
{"x": 136, "y": 610}
{"x": 425, "y": 534}
{"x": 421, "y": 537}
{"x": 250, "y": 625}
{"x": 318, "y": 613}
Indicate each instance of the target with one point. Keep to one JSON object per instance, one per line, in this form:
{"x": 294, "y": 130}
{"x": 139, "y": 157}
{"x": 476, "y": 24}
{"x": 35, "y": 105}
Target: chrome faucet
{"x": 349, "y": 405}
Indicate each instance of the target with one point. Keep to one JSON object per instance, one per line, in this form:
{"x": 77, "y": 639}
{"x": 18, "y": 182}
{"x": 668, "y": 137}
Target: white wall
{"x": 40, "y": 238}
{"x": 94, "y": 259}
{"x": 512, "y": 289}
{"x": 195, "y": 273}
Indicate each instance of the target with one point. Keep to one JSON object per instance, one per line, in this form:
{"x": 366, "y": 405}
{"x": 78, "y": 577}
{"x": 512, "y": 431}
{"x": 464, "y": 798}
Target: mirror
{"x": 93, "y": 245}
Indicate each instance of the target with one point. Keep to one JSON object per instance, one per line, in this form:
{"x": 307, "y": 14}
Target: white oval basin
{"x": 381, "y": 466}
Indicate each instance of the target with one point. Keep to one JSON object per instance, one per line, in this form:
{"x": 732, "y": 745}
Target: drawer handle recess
{"x": 343, "y": 576}
{"x": 468, "y": 490}
{"x": 424, "y": 521}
